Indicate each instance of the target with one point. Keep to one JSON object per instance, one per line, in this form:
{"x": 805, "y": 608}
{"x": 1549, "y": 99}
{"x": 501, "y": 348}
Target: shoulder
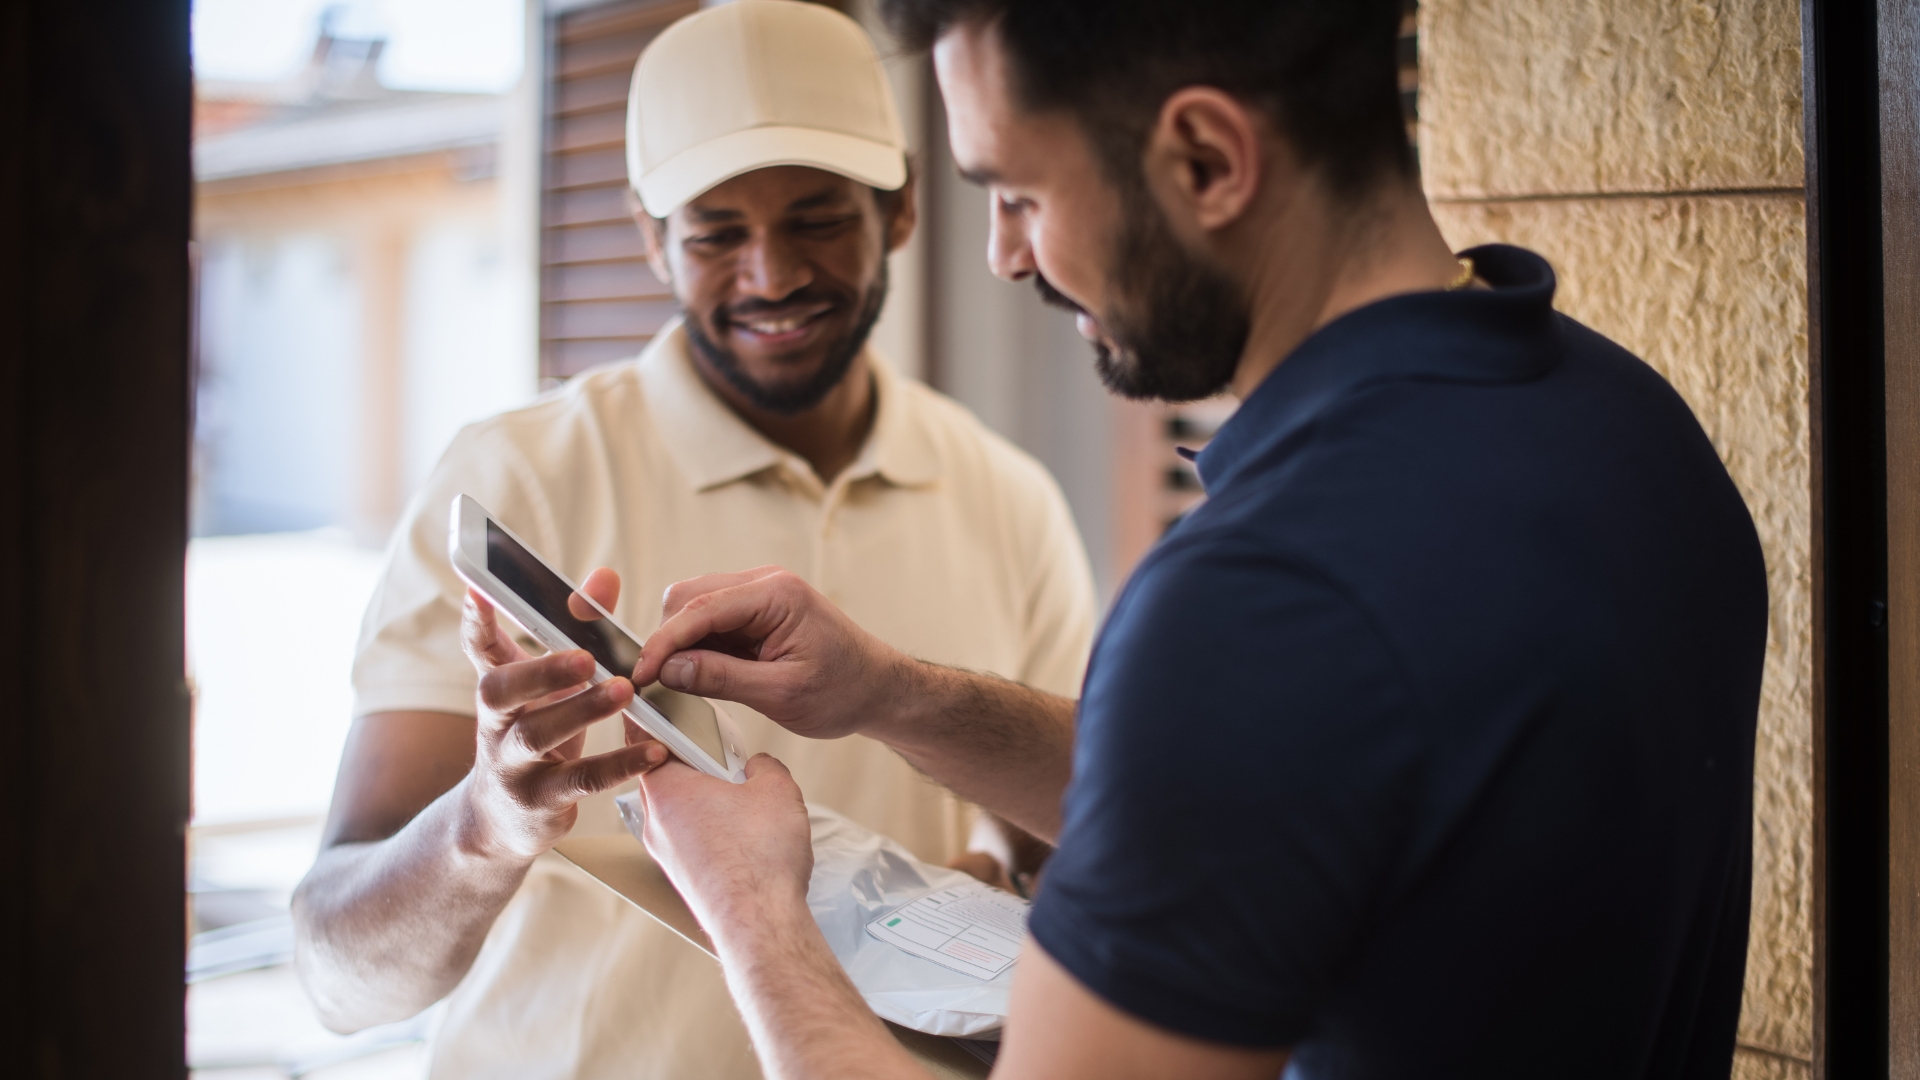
{"x": 973, "y": 455}
{"x": 1222, "y": 617}
{"x": 578, "y": 414}
{"x": 1242, "y": 760}
{"x": 552, "y": 459}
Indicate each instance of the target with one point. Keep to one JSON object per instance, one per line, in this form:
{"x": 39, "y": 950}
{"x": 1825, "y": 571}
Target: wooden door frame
{"x": 1862, "y": 114}
{"x": 95, "y": 106}
{"x": 95, "y": 200}
{"x": 1899, "y": 40}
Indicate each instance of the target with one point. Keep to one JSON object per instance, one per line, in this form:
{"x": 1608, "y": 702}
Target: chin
{"x": 778, "y": 366}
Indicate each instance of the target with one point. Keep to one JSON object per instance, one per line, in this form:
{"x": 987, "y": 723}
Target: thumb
{"x": 480, "y": 635}
{"x": 767, "y": 765}
{"x": 603, "y": 585}
{"x": 757, "y": 684}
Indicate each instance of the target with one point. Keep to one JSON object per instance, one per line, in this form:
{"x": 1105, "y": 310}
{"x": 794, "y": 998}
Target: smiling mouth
{"x": 780, "y": 324}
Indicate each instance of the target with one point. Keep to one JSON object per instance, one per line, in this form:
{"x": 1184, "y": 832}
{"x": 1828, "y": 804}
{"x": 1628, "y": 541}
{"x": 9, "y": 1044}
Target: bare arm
{"x": 1001, "y": 745}
{"x": 435, "y": 820}
{"x": 396, "y": 906}
{"x": 767, "y": 639}
{"x": 741, "y": 854}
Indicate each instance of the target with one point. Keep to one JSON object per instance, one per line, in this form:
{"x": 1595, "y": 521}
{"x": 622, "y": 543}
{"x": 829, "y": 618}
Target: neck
{"x": 1310, "y": 261}
{"x": 828, "y": 436}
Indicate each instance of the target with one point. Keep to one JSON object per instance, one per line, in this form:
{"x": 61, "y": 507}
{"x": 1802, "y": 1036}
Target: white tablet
{"x": 533, "y": 594}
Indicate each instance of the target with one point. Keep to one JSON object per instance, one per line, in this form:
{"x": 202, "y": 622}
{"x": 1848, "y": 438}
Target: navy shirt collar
{"x": 1507, "y": 333}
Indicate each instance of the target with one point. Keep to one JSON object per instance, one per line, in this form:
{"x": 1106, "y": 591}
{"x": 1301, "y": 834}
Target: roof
{"x": 333, "y": 111}
{"x": 396, "y": 125}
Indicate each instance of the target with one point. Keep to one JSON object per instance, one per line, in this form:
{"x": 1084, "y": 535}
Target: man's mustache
{"x": 807, "y": 297}
{"x": 1053, "y": 297}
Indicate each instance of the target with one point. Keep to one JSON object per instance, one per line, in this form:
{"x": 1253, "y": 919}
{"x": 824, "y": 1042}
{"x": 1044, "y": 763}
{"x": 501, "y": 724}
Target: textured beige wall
{"x": 1524, "y": 97}
{"x": 1650, "y": 149}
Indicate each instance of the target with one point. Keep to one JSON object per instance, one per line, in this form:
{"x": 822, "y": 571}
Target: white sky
{"x": 431, "y": 44}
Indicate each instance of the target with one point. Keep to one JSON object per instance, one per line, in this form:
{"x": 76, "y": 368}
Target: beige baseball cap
{"x": 757, "y": 83}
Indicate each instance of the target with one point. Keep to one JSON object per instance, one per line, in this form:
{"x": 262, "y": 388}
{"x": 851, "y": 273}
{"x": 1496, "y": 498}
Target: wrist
{"x": 749, "y": 924}
{"x": 911, "y": 693}
{"x": 475, "y": 836}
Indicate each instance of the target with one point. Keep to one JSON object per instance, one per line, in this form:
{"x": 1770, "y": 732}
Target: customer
{"x": 1421, "y": 749}
{"x": 757, "y": 430}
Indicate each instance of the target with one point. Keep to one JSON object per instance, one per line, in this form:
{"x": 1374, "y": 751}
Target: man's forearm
{"x": 807, "y": 1020}
{"x": 1001, "y": 745}
{"x": 386, "y": 928}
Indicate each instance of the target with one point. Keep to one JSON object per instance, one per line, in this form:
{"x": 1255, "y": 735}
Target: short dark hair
{"x": 1324, "y": 71}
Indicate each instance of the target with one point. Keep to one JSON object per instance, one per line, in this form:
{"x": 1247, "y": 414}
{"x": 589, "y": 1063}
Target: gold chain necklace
{"x": 1465, "y": 279}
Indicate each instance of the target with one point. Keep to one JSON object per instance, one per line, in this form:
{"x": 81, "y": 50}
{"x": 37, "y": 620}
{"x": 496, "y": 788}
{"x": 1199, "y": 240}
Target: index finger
{"x": 740, "y": 607}
{"x": 680, "y": 593}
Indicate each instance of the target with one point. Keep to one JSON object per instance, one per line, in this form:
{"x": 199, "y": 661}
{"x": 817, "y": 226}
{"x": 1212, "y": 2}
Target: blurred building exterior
{"x": 356, "y": 303}
{"x": 364, "y": 287}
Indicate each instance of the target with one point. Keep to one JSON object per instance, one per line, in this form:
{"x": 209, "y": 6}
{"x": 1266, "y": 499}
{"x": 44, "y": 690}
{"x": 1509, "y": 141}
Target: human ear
{"x": 906, "y": 214}
{"x": 653, "y": 236}
{"x": 1203, "y": 158}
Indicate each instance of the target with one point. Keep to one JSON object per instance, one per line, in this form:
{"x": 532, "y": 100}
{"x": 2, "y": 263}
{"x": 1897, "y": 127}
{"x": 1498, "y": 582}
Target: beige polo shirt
{"x": 941, "y": 538}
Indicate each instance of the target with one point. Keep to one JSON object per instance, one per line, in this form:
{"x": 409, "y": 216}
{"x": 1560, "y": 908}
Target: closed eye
{"x": 717, "y": 238}
{"x": 825, "y": 226}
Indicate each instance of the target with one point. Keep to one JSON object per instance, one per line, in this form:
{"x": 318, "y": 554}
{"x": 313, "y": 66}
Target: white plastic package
{"x": 860, "y": 877}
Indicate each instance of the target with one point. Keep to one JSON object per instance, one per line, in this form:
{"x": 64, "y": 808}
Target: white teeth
{"x": 778, "y": 326}
{"x": 784, "y": 324}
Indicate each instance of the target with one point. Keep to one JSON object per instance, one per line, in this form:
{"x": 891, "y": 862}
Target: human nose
{"x": 1009, "y": 255}
{"x": 771, "y": 270}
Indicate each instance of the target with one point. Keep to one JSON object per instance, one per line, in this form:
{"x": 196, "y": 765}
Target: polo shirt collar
{"x": 713, "y": 446}
{"x": 1508, "y": 333}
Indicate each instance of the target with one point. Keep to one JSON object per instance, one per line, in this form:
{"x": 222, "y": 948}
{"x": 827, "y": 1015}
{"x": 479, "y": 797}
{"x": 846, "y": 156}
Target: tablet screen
{"x": 546, "y": 592}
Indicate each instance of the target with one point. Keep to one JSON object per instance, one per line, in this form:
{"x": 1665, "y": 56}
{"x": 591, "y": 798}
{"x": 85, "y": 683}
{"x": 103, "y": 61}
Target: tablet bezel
{"x": 467, "y": 548}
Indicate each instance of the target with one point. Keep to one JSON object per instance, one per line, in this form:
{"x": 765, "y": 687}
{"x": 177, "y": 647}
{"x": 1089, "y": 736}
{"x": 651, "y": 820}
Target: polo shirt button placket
{"x": 821, "y": 537}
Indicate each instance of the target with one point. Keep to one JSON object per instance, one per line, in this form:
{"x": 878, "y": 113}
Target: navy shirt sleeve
{"x": 1243, "y": 776}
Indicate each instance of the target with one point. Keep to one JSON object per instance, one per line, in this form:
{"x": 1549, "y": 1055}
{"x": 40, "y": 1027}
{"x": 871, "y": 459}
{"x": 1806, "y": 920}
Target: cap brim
{"x": 681, "y": 177}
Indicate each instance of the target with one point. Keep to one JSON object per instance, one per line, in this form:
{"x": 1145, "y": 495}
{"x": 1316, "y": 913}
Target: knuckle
{"x": 493, "y": 689}
{"x": 516, "y": 745}
{"x": 579, "y": 783}
{"x": 787, "y": 696}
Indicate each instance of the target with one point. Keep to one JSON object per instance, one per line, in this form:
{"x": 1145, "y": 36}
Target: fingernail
{"x": 656, "y": 753}
{"x": 677, "y": 673}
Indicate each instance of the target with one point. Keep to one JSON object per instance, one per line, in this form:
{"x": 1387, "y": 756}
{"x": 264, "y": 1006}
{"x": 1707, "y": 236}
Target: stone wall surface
{"x": 1752, "y": 1065}
{"x": 1522, "y": 97}
{"x": 1650, "y": 149}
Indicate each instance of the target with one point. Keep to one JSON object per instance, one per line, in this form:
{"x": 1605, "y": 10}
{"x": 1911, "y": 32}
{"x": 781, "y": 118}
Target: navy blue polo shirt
{"x": 1424, "y": 746}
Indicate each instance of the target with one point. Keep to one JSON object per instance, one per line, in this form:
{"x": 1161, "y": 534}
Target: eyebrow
{"x": 980, "y": 177}
{"x": 816, "y": 201}
{"x": 707, "y": 216}
{"x": 712, "y": 215}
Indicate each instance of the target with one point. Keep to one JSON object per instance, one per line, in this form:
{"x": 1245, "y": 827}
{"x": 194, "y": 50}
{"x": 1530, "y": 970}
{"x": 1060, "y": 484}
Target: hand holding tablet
{"x": 489, "y": 557}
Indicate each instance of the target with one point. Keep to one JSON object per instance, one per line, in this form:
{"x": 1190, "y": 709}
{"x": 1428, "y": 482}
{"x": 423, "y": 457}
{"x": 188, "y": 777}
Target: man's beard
{"x": 1177, "y": 326}
{"x": 790, "y": 398}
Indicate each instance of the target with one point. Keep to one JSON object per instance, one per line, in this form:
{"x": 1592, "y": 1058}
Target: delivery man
{"x": 764, "y": 147}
